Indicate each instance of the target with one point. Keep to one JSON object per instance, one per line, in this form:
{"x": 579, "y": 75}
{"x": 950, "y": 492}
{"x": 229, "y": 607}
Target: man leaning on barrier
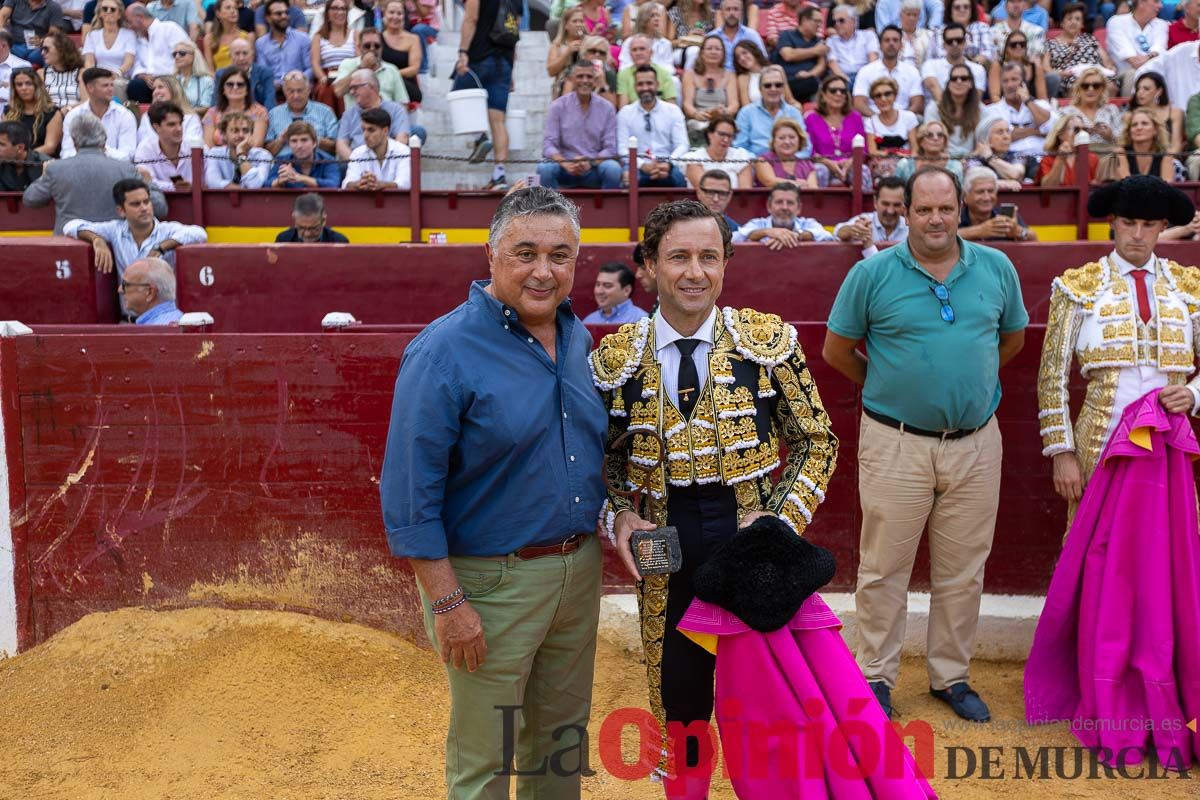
{"x": 491, "y": 487}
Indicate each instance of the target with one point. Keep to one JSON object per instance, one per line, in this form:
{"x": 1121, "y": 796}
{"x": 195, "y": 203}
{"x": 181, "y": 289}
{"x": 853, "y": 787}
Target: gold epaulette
{"x": 1186, "y": 281}
{"x": 762, "y": 338}
{"x": 618, "y": 355}
{"x": 1082, "y": 284}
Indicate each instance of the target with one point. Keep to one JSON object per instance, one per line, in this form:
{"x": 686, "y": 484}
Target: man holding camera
{"x": 982, "y": 219}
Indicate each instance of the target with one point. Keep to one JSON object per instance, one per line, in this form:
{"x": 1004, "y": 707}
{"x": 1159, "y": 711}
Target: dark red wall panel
{"x": 51, "y": 280}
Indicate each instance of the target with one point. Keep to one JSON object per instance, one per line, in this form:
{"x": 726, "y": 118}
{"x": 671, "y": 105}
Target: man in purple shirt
{"x": 580, "y": 139}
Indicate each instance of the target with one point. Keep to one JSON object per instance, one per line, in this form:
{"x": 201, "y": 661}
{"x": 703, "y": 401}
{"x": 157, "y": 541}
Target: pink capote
{"x": 802, "y": 680}
{"x": 1117, "y": 647}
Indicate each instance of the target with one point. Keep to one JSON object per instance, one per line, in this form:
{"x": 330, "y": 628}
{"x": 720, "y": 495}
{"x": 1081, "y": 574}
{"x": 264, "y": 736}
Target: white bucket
{"x": 468, "y": 108}
{"x": 514, "y": 121}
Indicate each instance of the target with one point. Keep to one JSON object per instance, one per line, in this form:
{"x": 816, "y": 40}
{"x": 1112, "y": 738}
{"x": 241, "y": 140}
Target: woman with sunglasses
{"x": 959, "y": 110}
{"x": 1150, "y": 93}
{"x": 166, "y": 89}
{"x": 779, "y": 164}
{"x": 1058, "y": 165}
{"x": 30, "y": 105}
{"x": 64, "y": 63}
{"x": 708, "y": 89}
{"x": 1089, "y": 105}
{"x": 566, "y": 49}
{"x": 833, "y": 125}
{"x": 332, "y": 43}
{"x": 224, "y": 31}
{"x": 192, "y": 74}
{"x": 1073, "y": 49}
{"x": 891, "y": 131}
{"x": 979, "y": 46}
{"x": 1016, "y": 51}
{"x": 111, "y": 45}
{"x": 233, "y": 94}
{"x": 932, "y": 142}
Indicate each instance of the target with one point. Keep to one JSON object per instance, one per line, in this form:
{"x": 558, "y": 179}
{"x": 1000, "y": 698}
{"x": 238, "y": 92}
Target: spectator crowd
{"x": 736, "y": 93}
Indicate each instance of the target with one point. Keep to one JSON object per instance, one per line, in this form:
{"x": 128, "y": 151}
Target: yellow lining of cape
{"x": 706, "y": 640}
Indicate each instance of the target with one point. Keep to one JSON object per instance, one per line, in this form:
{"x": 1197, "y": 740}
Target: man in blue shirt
{"x": 297, "y": 107}
{"x": 284, "y": 48}
{"x": 492, "y": 484}
{"x": 940, "y": 316}
{"x": 756, "y": 120}
{"x": 732, "y": 31}
{"x": 148, "y": 291}
{"x": 613, "y": 292}
{"x": 783, "y": 227}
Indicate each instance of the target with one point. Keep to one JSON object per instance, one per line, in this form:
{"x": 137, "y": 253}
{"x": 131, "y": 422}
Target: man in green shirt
{"x": 940, "y": 316}
{"x": 640, "y": 52}
{"x": 1192, "y": 143}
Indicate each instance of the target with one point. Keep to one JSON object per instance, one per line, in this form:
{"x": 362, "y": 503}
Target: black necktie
{"x": 688, "y": 387}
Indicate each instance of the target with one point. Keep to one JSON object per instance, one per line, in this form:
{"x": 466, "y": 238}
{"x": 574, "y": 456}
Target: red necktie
{"x": 1143, "y": 298}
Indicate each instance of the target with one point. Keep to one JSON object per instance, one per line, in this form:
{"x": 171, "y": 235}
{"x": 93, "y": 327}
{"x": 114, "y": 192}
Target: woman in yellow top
{"x": 224, "y": 31}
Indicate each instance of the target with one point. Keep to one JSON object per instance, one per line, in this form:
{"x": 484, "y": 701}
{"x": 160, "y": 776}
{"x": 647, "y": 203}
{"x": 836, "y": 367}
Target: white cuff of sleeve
{"x": 1195, "y": 390}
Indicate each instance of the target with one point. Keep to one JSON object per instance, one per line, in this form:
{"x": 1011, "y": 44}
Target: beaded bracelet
{"x": 450, "y": 607}
{"x": 443, "y": 601}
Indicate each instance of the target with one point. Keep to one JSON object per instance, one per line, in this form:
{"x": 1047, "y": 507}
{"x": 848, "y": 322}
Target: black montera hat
{"x": 1142, "y": 197}
{"x": 763, "y": 574}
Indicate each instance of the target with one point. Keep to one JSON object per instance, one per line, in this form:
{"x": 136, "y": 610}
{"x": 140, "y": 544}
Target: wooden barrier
{"x": 243, "y": 469}
{"x": 51, "y": 280}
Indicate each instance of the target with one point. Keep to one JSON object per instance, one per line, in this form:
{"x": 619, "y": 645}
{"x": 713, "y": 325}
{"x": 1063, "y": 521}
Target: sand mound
{"x": 206, "y": 703}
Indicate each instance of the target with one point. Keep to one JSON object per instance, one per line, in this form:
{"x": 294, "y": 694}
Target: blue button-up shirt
{"x": 164, "y": 313}
{"x": 492, "y": 446}
{"x": 621, "y": 313}
{"x": 280, "y": 58}
{"x": 743, "y": 34}
{"x": 754, "y": 124}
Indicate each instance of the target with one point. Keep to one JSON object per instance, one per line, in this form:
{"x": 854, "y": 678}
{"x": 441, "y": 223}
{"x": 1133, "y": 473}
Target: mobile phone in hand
{"x": 1007, "y": 210}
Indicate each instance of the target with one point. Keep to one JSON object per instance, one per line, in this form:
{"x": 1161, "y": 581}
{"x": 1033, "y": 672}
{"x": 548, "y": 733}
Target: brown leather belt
{"x": 564, "y": 547}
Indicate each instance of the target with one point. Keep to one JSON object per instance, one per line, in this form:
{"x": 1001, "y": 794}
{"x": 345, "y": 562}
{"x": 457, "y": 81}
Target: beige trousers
{"x": 907, "y": 483}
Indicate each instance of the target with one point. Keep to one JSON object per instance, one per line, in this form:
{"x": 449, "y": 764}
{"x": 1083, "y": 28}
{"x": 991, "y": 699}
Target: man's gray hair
{"x": 528, "y": 202}
{"x": 917, "y": 4}
{"x": 975, "y": 175}
{"x": 852, "y": 12}
{"x": 87, "y": 131}
{"x": 1010, "y": 66}
{"x": 366, "y": 75}
{"x": 636, "y": 36}
{"x": 160, "y": 275}
{"x": 137, "y": 10}
{"x": 308, "y": 205}
{"x": 295, "y": 75}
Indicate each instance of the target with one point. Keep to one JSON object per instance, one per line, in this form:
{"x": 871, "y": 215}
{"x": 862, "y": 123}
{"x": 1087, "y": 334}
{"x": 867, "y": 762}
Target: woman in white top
{"x": 191, "y": 70}
{"x": 356, "y": 19}
{"x": 332, "y": 43}
{"x": 652, "y": 21}
{"x": 110, "y": 44}
{"x": 890, "y": 129}
{"x": 64, "y": 63}
{"x": 165, "y": 89}
{"x": 720, "y": 154}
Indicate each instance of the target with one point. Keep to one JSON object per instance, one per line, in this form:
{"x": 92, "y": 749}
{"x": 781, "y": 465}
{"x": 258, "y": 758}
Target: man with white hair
{"x": 156, "y": 39}
{"x": 1187, "y": 27}
{"x": 364, "y": 88}
{"x": 81, "y": 186}
{"x": 1030, "y": 119}
{"x": 299, "y": 107}
{"x": 148, "y": 292}
{"x": 641, "y": 52}
{"x": 387, "y": 77}
{"x": 981, "y": 221}
{"x": 887, "y": 12}
{"x": 850, "y": 47}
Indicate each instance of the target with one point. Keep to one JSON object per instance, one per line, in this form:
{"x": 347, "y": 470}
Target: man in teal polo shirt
{"x": 940, "y": 316}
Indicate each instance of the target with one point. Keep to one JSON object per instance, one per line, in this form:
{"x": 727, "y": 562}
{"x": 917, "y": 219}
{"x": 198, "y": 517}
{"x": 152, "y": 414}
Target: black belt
{"x": 905, "y": 428}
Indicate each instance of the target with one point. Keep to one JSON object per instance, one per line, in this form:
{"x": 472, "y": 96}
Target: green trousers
{"x": 532, "y": 696}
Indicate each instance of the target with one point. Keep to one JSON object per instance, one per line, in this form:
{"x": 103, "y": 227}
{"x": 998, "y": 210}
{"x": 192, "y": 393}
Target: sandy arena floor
{"x": 205, "y": 703}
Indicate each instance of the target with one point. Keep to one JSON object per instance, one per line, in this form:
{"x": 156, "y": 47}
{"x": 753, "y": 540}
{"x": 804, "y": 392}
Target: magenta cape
{"x": 796, "y": 717}
{"x": 1117, "y": 648}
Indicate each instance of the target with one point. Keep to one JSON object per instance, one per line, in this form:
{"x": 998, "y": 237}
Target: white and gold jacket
{"x": 1094, "y": 318}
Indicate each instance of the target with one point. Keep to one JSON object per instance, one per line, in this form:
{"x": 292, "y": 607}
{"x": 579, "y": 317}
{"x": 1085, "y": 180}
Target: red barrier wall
{"x": 291, "y": 287}
{"x": 177, "y": 469}
{"x": 51, "y": 280}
